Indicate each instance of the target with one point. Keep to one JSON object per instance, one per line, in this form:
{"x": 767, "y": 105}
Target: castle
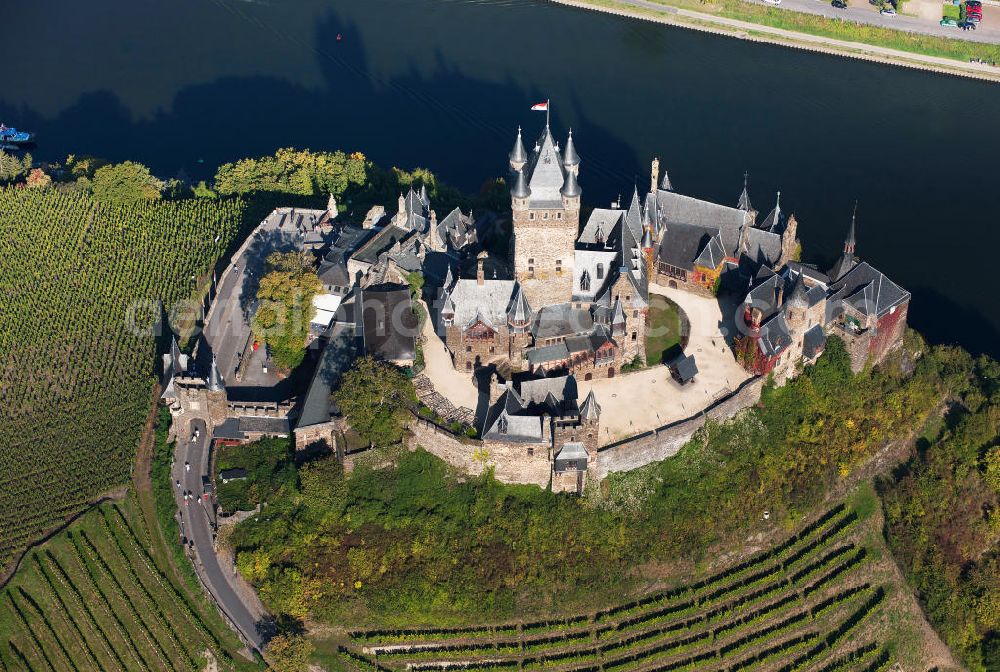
{"x": 567, "y": 301}
{"x": 577, "y": 301}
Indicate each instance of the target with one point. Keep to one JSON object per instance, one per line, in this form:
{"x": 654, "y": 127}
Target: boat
{"x": 12, "y": 136}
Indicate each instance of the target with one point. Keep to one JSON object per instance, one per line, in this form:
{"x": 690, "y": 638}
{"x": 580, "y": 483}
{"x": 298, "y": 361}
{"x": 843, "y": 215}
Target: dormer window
{"x": 585, "y": 282}
{"x": 502, "y": 424}
{"x": 600, "y": 271}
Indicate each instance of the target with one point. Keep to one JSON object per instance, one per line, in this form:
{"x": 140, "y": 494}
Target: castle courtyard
{"x": 640, "y": 401}
{"x": 634, "y": 402}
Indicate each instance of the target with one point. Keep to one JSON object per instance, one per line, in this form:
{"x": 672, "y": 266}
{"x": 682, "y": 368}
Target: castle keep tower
{"x": 545, "y": 200}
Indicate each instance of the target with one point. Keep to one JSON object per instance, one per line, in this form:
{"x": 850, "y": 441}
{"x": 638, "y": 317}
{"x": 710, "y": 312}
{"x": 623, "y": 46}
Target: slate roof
{"x": 561, "y": 320}
{"x": 590, "y": 409}
{"x": 264, "y": 425}
{"x": 570, "y": 452}
{"x": 457, "y": 229}
{"x": 866, "y": 289}
{"x": 517, "y": 415}
{"x": 681, "y": 244}
{"x": 545, "y": 173}
{"x": 587, "y": 261}
{"x": 547, "y": 353}
{"x": 380, "y": 243}
{"x": 490, "y": 299}
{"x": 775, "y": 335}
{"x": 337, "y": 356}
{"x": 601, "y": 221}
{"x": 686, "y": 368}
{"x": 763, "y": 247}
{"x": 676, "y": 208}
{"x": 813, "y": 342}
{"x": 390, "y": 327}
{"x": 333, "y": 274}
{"x": 809, "y": 271}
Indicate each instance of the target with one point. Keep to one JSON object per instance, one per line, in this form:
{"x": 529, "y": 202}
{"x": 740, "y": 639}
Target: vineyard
{"x": 93, "y": 598}
{"x": 76, "y": 372}
{"x": 810, "y": 603}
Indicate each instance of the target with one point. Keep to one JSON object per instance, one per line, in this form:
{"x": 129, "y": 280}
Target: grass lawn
{"x": 951, "y": 12}
{"x": 663, "y": 333}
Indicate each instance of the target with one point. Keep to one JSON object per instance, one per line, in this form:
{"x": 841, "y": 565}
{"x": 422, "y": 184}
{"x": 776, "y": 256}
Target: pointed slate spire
{"x": 846, "y": 260}
{"x": 665, "y": 183}
{"x": 424, "y": 198}
{"x": 449, "y": 280}
{"x": 618, "y": 316}
{"x": 215, "y": 382}
{"x": 798, "y": 296}
{"x": 590, "y": 409}
{"x": 851, "y": 241}
{"x": 744, "y": 202}
{"x": 520, "y": 314}
{"x": 570, "y": 157}
{"x": 570, "y": 188}
{"x": 175, "y": 356}
{"x": 518, "y": 155}
{"x": 521, "y": 189}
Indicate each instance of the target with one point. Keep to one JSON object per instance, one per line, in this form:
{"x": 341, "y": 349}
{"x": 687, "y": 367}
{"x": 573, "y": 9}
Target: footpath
{"x": 720, "y": 25}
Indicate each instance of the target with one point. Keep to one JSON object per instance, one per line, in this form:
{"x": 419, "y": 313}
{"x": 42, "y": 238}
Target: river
{"x": 185, "y": 85}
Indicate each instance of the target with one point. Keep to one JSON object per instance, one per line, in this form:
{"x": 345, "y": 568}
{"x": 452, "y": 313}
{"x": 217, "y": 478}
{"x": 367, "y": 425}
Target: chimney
{"x": 480, "y": 274}
{"x": 654, "y": 175}
{"x": 402, "y": 204}
{"x": 781, "y": 293}
{"x": 496, "y": 388}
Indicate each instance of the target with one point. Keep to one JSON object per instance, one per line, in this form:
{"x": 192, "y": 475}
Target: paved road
{"x": 861, "y": 11}
{"x": 197, "y": 526}
{"x": 228, "y": 329}
{"x": 780, "y": 35}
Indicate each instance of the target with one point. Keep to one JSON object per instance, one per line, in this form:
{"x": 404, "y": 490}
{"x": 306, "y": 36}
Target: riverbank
{"x": 676, "y": 14}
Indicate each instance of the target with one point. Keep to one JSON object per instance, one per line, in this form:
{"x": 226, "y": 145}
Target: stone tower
{"x": 545, "y": 201}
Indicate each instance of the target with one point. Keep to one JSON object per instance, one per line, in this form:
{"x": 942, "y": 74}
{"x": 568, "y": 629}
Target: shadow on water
{"x": 444, "y": 85}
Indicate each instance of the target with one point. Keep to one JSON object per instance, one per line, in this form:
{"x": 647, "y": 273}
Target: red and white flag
{"x": 541, "y": 107}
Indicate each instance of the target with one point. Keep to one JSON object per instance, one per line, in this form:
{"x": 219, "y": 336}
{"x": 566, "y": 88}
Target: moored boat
{"x": 13, "y": 137}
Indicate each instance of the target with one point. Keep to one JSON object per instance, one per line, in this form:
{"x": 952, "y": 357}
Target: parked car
{"x": 887, "y": 11}
{"x": 839, "y": 4}
{"x": 949, "y": 22}
{"x": 773, "y": 2}
{"x": 967, "y": 25}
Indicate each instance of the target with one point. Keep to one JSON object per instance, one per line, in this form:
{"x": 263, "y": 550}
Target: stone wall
{"x": 511, "y": 463}
{"x": 666, "y": 441}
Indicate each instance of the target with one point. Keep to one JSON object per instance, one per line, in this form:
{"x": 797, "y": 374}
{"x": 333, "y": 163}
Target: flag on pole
{"x": 540, "y": 107}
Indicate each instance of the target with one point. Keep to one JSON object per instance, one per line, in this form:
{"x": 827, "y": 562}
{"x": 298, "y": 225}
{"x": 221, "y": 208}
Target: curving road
{"x": 198, "y": 526}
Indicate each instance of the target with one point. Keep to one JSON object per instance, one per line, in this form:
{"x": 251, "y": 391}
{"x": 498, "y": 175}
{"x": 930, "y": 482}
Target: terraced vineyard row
{"x": 75, "y": 373}
{"x": 799, "y": 606}
{"x": 93, "y": 599}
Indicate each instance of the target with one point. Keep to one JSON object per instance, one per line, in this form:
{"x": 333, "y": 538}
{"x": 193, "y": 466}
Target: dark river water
{"x": 183, "y": 85}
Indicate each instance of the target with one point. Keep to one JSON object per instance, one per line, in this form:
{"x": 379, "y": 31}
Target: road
{"x": 227, "y": 328}
{"x": 860, "y": 11}
{"x": 197, "y": 524}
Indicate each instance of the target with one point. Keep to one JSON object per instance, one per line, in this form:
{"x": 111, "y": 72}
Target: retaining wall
{"x": 664, "y": 442}
{"x": 511, "y": 463}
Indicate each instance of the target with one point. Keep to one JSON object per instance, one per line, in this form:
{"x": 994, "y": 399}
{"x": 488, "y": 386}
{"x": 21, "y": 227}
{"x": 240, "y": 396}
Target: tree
{"x": 12, "y": 167}
{"x": 323, "y": 485}
{"x": 285, "y": 309}
{"x": 289, "y": 653}
{"x": 38, "y": 179}
{"x": 292, "y": 171}
{"x": 373, "y": 395}
{"x": 125, "y": 183}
